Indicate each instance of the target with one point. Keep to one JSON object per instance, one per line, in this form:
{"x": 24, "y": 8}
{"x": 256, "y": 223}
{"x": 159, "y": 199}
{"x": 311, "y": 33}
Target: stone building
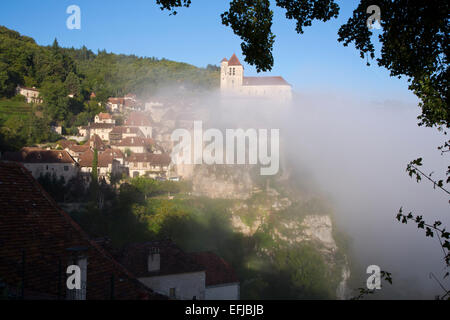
{"x": 32, "y": 94}
{"x": 233, "y": 81}
{"x": 104, "y": 117}
{"x": 149, "y": 164}
{"x": 141, "y": 121}
{"x": 166, "y": 269}
{"x": 40, "y": 162}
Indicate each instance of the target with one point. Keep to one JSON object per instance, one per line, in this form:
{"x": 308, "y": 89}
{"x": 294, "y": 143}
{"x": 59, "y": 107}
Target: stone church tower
{"x": 232, "y": 80}
{"x": 231, "y": 73}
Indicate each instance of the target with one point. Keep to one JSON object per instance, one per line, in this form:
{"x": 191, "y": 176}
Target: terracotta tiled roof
{"x": 104, "y": 159}
{"x": 116, "y": 100}
{"x": 33, "y": 227}
{"x": 79, "y": 148}
{"x": 135, "y": 142}
{"x": 66, "y": 143}
{"x": 173, "y": 259}
{"x": 234, "y": 61}
{"x": 124, "y": 129}
{"x": 264, "y": 81}
{"x": 138, "y": 119}
{"x": 37, "y": 155}
{"x": 115, "y": 153}
{"x": 218, "y": 271}
{"x": 95, "y": 142}
{"x": 152, "y": 158}
{"x": 224, "y": 59}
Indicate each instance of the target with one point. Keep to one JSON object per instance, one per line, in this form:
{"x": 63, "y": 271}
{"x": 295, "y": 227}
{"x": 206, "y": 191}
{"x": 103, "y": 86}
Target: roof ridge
{"x": 72, "y": 222}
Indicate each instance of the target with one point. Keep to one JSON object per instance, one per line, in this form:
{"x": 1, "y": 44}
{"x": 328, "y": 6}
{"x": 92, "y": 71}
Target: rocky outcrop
{"x": 222, "y": 182}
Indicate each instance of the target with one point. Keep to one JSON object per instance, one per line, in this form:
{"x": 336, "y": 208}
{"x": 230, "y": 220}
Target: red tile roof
{"x": 32, "y": 224}
{"x": 95, "y": 142}
{"x": 234, "y": 61}
{"x": 173, "y": 260}
{"x": 152, "y": 158}
{"x": 116, "y": 100}
{"x": 138, "y": 119}
{"x": 218, "y": 271}
{"x": 66, "y": 143}
{"x": 104, "y": 116}
{"x": 264, "y": 81}
{"x": 104, "y": 159}
{"x": 79, "y": 148}
{"x": 37, "y": 155}
{"x": 115, "y": 153}
{"x": 224, "y": 59}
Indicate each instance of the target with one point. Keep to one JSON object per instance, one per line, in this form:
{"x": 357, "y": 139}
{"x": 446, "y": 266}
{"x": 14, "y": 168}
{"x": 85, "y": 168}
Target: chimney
{"x": 154, "y": 260}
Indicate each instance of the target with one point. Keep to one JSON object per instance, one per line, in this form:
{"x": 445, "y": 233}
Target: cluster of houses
{"x": 121, "y": 149}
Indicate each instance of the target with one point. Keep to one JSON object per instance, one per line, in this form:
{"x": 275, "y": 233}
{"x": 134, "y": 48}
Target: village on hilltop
{"x": 131, "y": 138}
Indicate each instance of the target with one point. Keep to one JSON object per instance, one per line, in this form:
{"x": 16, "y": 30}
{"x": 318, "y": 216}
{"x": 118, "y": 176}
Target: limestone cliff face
{"x": 290, "y": 218}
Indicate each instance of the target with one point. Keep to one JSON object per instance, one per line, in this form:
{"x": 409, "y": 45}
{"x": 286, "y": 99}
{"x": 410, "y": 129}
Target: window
{"x": 66, "y": 168}
{"x": 172, "y": 292}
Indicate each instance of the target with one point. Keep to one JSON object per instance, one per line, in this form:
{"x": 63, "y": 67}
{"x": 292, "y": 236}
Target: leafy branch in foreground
{"x": 413, "y": 170}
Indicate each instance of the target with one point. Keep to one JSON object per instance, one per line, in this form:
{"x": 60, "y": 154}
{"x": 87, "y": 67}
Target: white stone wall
{"x": 231, "y": 77}
{"x": 276, "y": 92}
{"x": 230, "y": 291}
{"x": 102, "y": 133}
{"x": 98, "y": 120}
{"x": 187, "y": 285}
{"x": 67, "y": 170}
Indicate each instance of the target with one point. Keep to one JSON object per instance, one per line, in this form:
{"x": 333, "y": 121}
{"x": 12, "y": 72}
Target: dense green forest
{"x": 59, "y": 72}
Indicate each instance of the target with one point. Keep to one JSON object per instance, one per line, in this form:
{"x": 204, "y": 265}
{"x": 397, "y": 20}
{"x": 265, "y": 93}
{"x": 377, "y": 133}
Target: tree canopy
{"x": 414, "y": 39}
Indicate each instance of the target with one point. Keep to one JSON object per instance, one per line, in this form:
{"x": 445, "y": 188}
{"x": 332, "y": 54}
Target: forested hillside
{"x": 59, "y": 72}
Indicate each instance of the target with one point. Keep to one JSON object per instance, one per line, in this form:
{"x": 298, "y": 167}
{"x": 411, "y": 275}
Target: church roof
{"x": 224, "y": 59}
{"x": 264, "y": 81}
{"x": 234, "y": 61}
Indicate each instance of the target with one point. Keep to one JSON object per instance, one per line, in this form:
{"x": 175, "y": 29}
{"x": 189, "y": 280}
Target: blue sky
{"x": 312, "y": 61}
